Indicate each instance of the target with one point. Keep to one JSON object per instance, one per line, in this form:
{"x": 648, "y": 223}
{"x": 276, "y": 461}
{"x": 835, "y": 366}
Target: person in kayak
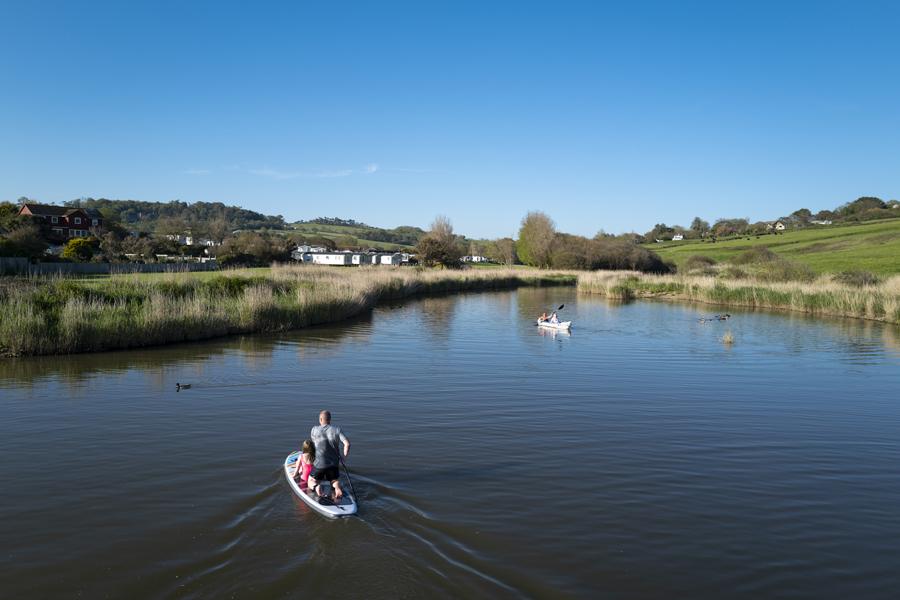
{"x": 305, "y": 462}
{"x": 325, "y": 471}
{"x": 543, "y": 317}
{"x": 554, "y": 320}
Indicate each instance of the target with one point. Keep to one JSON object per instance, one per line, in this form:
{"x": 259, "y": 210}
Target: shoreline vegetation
{"x": 54, "y": 315}
{"x": 824, "y": 296}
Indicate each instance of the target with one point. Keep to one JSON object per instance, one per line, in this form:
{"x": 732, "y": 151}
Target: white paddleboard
{"x": 549, "y": 325}
{"x": 345, "y": 507}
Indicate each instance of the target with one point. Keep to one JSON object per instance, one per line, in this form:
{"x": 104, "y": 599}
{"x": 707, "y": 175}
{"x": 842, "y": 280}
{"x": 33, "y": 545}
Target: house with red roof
{"x": 60, "y": 223}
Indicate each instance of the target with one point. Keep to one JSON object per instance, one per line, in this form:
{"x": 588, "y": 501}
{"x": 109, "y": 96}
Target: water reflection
{"x": 438, "y": 316}
{"x": 200, "y": 359}
{"x": 710, "y": 467}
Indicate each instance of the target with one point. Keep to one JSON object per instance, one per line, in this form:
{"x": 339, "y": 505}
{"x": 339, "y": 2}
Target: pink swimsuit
{"x": 304, "y": 474}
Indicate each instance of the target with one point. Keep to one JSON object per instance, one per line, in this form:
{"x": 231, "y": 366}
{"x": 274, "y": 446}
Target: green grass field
{"x": 871, "y": 247}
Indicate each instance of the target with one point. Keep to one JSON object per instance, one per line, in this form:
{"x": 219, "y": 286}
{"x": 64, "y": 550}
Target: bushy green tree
{"x": 536, "y": 235}
{"x": 699, "y": 226}
{"x": 80, "y": 249}
{"x": 24, "y": 240}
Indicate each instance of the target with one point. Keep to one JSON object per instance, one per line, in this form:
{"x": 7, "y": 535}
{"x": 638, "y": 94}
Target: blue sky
{"x": 601, "y": 114}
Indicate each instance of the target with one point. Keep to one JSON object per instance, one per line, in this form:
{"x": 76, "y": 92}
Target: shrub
{"x": 698, "y": 261}
{"x": 25, "y": 240}
{"x": 732, "y": 272}
{"x": 80, "y": 249}
{"x": 857, "y": 278}
{"x": 784, "y": 270}
{"x": 757, "y": 255}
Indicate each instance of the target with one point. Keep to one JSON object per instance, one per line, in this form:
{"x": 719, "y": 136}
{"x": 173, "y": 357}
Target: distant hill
{"x": 146, "y": 216}
{"x": 872, "y": 246}
{"x": 342, "y": 230}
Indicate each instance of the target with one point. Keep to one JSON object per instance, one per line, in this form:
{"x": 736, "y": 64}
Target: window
{"x": 54, "y": 220}
{"x": 78, "y": 220}
{"x": 95, "y": 222}
{"x": 58, "y": 230}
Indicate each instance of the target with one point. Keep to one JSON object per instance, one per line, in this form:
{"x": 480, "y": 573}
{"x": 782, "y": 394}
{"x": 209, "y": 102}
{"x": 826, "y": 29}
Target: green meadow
{"x": 873, "y": 247}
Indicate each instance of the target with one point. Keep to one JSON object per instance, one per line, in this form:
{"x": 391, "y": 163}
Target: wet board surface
{"x": 344, "y": 507}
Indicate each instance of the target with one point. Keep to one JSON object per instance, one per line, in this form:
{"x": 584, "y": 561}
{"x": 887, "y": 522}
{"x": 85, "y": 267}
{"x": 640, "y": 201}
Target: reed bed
{"x": 822, "y": 296}
{"x": 56, "y": 315}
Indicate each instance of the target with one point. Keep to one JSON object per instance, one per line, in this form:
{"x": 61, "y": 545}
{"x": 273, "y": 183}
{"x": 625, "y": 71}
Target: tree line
{"x": 208, "y": 219}
{"x": 540, "y": 245}
{"x": 866, "y": 208}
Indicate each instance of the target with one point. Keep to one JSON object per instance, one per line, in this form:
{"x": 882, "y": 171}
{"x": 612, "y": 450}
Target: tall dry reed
{"x": 53, "y": 315}
{"x": 823, "y": 296}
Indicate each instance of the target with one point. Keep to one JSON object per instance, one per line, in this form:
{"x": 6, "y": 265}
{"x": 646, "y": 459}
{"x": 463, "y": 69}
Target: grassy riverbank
{"x": 59, "y": 316}
{"x": 822, "y": 296}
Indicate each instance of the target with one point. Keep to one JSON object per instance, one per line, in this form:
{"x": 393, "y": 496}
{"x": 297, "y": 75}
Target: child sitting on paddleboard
{"x": 305, "y": 462}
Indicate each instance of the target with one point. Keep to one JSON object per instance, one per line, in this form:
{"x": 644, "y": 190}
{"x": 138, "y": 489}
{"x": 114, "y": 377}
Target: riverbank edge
{"x": 823, "y": 298}
{"x": 93, "y": 317}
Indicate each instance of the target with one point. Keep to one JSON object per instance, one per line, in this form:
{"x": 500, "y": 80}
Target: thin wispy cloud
{"x": 285, "y": 175}
{"x": 330, "y": 174}
{"x": 280, "y": 175}
{"x": 275, "y": 173}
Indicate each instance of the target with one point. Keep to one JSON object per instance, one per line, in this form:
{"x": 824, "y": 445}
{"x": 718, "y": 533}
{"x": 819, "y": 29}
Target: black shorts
{"x": 326, "y": 474}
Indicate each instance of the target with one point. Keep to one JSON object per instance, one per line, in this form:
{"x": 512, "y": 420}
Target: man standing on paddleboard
{"x": 325, "y": 467}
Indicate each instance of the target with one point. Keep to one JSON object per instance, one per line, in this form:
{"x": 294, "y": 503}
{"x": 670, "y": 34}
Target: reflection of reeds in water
{"x": 824, "y": 296}
{"x": 55, "y": 315}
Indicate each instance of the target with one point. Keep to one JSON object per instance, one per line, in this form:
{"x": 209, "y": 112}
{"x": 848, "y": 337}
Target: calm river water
{"x": 638, "y": 457}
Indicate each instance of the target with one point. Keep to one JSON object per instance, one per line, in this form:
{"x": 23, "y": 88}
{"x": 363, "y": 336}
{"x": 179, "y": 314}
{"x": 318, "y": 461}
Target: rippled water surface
{"x": 638, "y": 457}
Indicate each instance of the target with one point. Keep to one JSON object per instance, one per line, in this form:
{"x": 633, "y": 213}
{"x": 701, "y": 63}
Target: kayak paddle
{"x": 561, "y": 306}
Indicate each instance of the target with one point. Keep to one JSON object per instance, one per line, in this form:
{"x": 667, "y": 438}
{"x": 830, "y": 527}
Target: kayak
{"x": 344, "y": 507}
{"x": 560, "y": 325}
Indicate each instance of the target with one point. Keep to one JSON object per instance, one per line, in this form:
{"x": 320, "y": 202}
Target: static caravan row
{"x": 335, "y": 258}
{"x": 346, "y": 258}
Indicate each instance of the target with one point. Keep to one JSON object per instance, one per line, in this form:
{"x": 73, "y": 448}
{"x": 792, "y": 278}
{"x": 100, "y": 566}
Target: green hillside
{"x": 375, "y": 237}
{"x": 873, "y": 246}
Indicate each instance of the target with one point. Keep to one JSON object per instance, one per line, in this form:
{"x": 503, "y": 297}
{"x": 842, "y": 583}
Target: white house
{"x": 304, "y": 249}
{"x": 185, "y": 239}
{"x": 476, "y": 259}
{"x": 677, "y": 237}
{"x": 821, "y": 222}
{"x": 389, "y": 259}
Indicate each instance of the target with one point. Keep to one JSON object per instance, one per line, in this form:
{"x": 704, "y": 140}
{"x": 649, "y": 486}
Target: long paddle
{"x": 352, "y": 491}
{"x": 346, "y": 470}
{"x": 561, "y": 306}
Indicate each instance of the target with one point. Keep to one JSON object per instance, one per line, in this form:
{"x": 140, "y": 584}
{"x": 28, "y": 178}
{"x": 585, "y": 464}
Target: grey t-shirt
{"x": 326, "y": 438}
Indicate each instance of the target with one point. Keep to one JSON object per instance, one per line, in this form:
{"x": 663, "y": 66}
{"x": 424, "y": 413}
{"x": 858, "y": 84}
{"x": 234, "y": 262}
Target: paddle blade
{"x": 561, "y": 306}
